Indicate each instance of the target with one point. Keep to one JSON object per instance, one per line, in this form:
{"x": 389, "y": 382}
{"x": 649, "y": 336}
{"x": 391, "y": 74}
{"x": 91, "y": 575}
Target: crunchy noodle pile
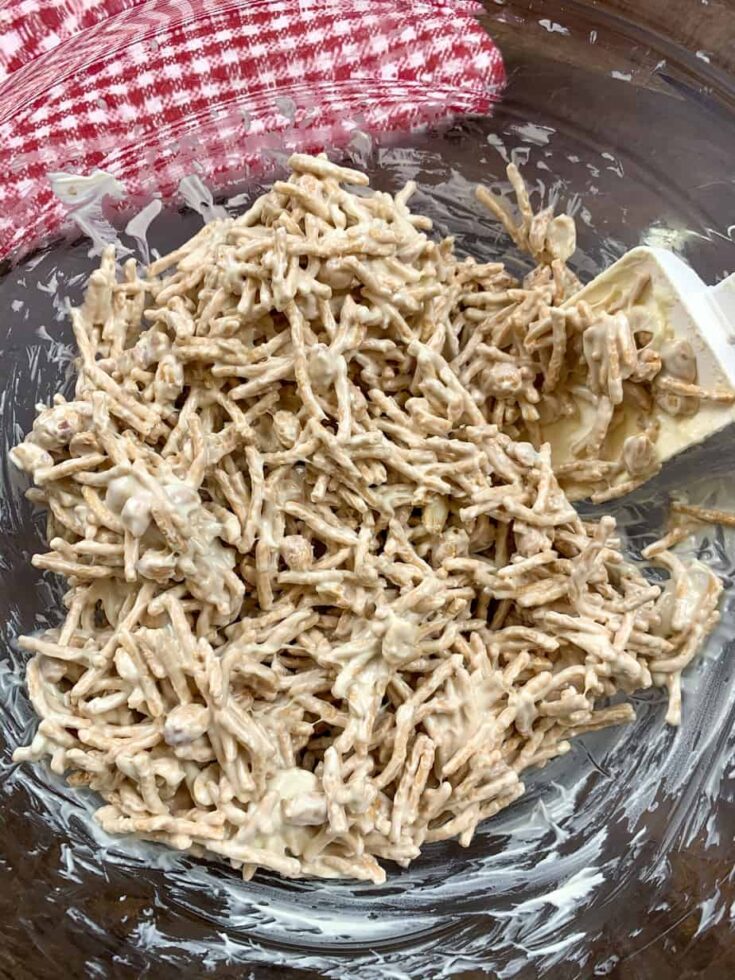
{"x": 322, "y": 609}
{"x": 541, "y": 353}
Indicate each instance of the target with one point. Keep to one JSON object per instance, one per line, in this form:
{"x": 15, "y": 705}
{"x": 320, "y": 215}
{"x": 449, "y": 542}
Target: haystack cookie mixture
{"x": 327, "y": 600}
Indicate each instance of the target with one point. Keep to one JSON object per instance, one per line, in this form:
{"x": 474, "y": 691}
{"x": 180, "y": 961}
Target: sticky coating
{"x": 323, "y": 609}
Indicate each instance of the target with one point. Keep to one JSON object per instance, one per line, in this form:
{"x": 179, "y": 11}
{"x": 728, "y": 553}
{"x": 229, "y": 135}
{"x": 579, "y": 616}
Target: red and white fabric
{"x": 151, "y": 90}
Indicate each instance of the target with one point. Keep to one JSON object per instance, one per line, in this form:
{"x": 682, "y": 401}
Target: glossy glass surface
{"x": 618, "y": 862}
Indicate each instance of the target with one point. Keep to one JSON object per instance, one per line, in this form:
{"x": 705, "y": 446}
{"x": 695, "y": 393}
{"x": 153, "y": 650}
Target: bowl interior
{"x": 616, "y": 846}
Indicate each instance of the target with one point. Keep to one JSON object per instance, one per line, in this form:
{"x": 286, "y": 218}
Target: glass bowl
{"x": 617, "y": 862}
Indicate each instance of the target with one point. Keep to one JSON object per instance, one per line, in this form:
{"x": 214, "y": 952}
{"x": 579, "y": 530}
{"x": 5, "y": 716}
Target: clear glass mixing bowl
{"x": 617, "y": 862}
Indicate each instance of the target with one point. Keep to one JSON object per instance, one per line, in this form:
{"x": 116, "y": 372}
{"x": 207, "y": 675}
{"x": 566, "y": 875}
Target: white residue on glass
{"x": 199, "y": 198}
{"x": 85, "y": 198}
{"x": 533, "y": 133}
{"x": 552, "y": 27}
{"x": 139, "y": 224}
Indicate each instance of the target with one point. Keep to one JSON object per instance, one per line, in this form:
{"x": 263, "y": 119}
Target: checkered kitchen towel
{"x": 152, "y": 90}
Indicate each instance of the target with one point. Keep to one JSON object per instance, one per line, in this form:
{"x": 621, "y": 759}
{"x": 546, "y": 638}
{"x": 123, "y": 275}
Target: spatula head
{"x": 665, "y": 303}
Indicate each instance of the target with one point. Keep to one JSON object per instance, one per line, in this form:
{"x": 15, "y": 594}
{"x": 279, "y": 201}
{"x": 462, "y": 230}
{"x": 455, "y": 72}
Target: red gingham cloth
{"x": 152, "y": 90}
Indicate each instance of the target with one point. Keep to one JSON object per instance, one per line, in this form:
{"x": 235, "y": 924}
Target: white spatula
{"x": 698, "y": 310}
{"x": 684, "y": 308}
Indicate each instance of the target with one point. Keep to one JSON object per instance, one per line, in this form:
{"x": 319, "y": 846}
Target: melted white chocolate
{"x": 324, "y": 608}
